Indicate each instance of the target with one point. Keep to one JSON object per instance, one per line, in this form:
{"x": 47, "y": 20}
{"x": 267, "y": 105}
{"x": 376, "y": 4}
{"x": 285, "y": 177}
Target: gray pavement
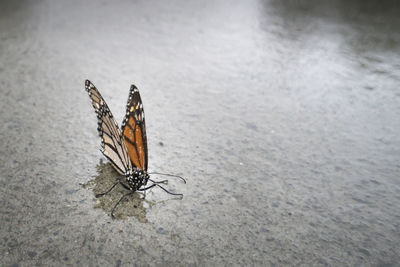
{"x": 283, "y": 115}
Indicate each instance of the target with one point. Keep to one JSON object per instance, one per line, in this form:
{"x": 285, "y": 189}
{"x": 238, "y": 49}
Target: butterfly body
{"x": 136, "y": 178}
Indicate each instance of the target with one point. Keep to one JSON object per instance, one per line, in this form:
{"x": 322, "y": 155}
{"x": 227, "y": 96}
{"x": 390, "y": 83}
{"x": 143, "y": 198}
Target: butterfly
{"x": 125, "y": 148}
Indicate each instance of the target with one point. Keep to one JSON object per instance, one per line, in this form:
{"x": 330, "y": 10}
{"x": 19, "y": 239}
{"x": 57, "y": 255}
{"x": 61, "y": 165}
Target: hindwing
{"x": 134, "y": 130}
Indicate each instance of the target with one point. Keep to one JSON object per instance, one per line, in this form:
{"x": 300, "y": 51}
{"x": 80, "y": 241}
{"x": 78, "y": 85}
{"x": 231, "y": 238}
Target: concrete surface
{"x": 283, "y": 115}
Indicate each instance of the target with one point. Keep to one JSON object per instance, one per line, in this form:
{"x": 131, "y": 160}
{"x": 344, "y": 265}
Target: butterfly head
{"x": 136, "y": 178}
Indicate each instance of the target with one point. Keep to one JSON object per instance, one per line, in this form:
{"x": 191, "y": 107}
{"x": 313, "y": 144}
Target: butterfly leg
{"x": 112, "y": 187}
{"x": 159, "y": 182}
{"x": 144, "y": 189}
{"x": 175, "y": 194}
{"x": 127, "y": 194}
{"x": 125, "y": 186}
{"x": 156, "y": 184}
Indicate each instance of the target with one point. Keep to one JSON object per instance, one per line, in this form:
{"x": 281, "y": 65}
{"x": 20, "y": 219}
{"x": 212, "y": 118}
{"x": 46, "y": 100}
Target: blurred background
{"x": 283, "y": 115}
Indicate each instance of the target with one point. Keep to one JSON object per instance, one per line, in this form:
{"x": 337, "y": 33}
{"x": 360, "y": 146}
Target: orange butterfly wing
{"x": 134, "y": 130}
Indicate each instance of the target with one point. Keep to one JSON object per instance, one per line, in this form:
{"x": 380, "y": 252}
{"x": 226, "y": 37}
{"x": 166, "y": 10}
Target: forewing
{"x": 113, "y": 147}
{"x": 134, "y": 130}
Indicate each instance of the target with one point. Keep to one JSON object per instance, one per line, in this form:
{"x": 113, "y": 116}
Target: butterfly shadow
{"x": 133, "y": 205}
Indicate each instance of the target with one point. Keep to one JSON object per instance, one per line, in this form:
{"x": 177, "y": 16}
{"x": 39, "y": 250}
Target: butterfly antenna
{"x": 171, "y": 175}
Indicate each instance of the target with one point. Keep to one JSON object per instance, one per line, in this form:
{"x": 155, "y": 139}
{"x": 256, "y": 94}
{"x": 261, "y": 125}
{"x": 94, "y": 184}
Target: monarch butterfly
{"x": 125, "y": 148}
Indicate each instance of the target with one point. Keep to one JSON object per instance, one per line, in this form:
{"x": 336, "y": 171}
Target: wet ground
{"x": 283, "y": 115}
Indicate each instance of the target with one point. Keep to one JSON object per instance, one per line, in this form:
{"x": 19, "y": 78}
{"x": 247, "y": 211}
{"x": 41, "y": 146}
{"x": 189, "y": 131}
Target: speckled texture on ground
{"x": 284, "y": 116}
